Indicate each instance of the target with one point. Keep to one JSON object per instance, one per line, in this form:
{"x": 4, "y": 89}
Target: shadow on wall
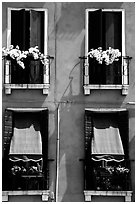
{"x": 71, "y": 12}
{"x": 71, "y": 150}
{"x": 70, "y": 37}
{"x": 71, "y": 184}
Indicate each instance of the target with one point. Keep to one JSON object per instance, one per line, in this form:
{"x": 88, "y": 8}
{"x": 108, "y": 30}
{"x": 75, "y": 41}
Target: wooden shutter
{"x": 8, "y": 131}
{"x": 44, "y": 133}
{"x": 124, "y": 129}
{"x": 20, "y": 28}
{"x": 112, "y": 37}
{"x": 19, "y": 36}
{"x": 88, "y": 132}
{"x": 37, "y": 29}
{"x": 95, "y": 29}
{"x": 36, "y": 39}
{"x": 96, "y": 71}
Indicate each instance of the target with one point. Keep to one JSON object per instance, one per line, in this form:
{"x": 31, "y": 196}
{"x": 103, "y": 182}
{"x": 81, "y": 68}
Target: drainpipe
{"x": 57, "y": 156}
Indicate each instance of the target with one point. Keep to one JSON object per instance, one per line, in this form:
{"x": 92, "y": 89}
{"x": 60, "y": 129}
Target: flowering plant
{"x": 117, "y": 170}
{"x": 111, "y": 177}
{"x": 17, "y": 170}
{"x": 19, "y": 56}
{"x": 108, "y": 56}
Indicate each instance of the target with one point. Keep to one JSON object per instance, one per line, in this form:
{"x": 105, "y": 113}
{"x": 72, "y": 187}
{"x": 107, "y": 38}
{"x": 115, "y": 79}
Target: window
{"x": 106, "y": 150}
{"x": 25, "y": 161}
{"x": 105, "y": 28}
{"x": 30, "y": 30}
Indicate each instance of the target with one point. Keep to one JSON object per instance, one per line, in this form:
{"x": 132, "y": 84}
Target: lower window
{"x": 25, "y": 161}
{"x": 106, "y": 151}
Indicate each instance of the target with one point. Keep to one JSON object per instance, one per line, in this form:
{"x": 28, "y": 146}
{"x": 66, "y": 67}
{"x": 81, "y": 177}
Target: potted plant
{"x": 19, "y": 57}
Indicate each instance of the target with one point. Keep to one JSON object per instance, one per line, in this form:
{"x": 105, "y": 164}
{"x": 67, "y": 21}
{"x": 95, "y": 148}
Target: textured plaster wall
{"x": 66, "y": 42}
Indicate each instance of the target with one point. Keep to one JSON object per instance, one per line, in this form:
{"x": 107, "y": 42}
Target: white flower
{"x": 108, "y": 56}
{"x": 21, "y": 64}
{"x": 19, "y": 56}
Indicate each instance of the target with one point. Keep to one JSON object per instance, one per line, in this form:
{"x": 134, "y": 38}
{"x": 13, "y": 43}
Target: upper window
{"x": 27, "y": 28}
{"x": 28, "y": 31}
{"x": 105, "y": 30}
{"x": 25, "y": 158}
{"x": 106, "y": 150}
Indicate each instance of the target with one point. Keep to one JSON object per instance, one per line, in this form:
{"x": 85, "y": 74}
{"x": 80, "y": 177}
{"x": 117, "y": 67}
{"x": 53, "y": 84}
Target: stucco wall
{"x": 66, "y": 42}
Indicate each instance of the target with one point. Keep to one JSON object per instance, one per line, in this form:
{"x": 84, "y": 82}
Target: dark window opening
{"x": 28, "y": 31}
{"x": 106, "y": 151}
{"x": 105, "y": 30}
{"x": 25, "y": 161}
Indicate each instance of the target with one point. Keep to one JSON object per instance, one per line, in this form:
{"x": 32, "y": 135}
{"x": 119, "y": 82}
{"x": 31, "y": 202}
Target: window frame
{"x": 44, "y": 193}
{"x": 46, "y": 72}
{"x": 127, "y": 194}
{"x": 124, "y": 86}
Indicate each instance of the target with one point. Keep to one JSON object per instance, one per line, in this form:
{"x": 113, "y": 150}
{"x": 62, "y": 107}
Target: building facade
{"x": 68, "y": 132}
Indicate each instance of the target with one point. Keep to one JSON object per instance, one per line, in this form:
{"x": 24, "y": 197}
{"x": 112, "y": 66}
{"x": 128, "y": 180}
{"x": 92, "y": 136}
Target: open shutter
{"x": 124, "y": 129}
{"x": 19, "y": 36}
{"x": 8, "y": 131}
{"x": 44, "y": 134}
{"x": 20, "y": 29}
{"x": 96, "y": 72}
{"x": 112, "y": 37}
{"x": 88, "y": 131}
{"x": 36, "y": 39}
{"x": 95, "y": 29}
{"x": 37, "y": 29}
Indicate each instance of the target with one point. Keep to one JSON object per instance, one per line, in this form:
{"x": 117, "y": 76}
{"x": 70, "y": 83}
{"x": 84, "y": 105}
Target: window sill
{"x": 126, "y": 194}
{"x": 124, "y": 88}
{"x": 43, "y": 193}
{"x": 9, "y": 87}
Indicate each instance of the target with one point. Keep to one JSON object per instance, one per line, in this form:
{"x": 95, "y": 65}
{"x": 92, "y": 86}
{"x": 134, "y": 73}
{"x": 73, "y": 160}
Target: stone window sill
{"x": 9, "y": 87}
{"x": 127, "y": 194}
{"x": 44, "y": 194}
{"x": 89, "y": 87}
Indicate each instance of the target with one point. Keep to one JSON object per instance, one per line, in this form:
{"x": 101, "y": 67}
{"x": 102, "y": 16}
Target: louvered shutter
{"x": 8, "y": 131}
{"x": 88, "y": 131}
{"x": 124, "y": 131}
{"x": 123, "y": 122}
{"x": 44, "y": 134}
